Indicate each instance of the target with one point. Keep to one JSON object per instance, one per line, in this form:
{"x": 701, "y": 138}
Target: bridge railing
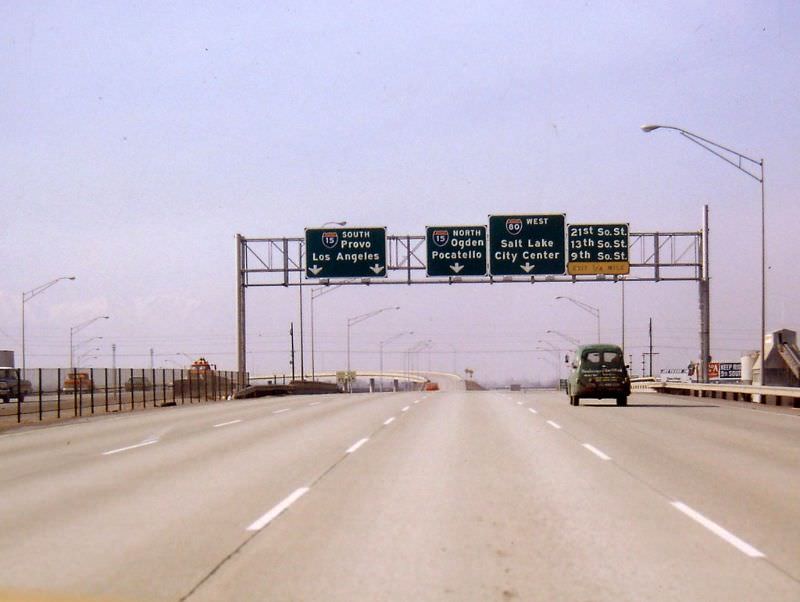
{"x": 780, "y": 396}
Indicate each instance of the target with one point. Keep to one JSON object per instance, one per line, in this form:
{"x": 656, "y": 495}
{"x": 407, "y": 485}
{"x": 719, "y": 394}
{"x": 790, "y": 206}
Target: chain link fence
{"x": 50, "y": 394}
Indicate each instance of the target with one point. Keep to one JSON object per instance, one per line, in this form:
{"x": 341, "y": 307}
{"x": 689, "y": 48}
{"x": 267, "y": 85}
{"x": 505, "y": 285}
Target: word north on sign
{"x": 597, "y": 249}
{"x": 526, "y": 245}
{"x": 456, "y": 250}
{"x": 346, "y": 252}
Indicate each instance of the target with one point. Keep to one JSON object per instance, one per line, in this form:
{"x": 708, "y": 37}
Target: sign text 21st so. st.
{"x": 455, "y": 250}
{"x": 526, "y": 245}
{"x": 346, "y": 252}
{"x": 597, "y": 249}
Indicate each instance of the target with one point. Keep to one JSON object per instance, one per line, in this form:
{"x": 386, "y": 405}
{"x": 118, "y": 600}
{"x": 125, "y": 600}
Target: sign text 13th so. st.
{"x": 346, "y": 252}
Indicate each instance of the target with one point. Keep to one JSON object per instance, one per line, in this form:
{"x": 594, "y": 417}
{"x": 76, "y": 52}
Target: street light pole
{"x": 595, "y": 311}
{"x": 718, "y": 149}
{"x": 352, "y": 322}
{"x": 78, "y": 328}
{"x": 380, "y": 347}
{"x": 27, "y": 296}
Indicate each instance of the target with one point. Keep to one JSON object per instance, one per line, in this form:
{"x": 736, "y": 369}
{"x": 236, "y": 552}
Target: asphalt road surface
{"x": 449, "y": 495}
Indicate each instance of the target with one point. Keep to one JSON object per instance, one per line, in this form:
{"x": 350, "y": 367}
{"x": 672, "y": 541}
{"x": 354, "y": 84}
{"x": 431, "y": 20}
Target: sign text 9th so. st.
{"x": 345, "y": 252}
{"x": 597, "y": 249}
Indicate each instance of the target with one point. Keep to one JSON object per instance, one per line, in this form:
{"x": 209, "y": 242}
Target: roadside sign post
{"x": 456, "y": 250}
{"x": 345, "y": 252}
{"x": 526, "y": 245}
{"x": 597, "y": 249}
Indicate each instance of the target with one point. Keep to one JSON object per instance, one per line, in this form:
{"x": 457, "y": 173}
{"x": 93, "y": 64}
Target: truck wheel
{"x": 574, "y": 400}
{"x": 622, "y": 401}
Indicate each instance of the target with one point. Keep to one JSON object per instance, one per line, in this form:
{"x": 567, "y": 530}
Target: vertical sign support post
{"x": 705, "y": 302}
{"x": 240, "y": 311}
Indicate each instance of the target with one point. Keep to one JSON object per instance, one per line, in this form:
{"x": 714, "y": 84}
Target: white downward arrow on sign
{"x": 527, "y": 267}
{"x": 456, "y": 267}
{"x": 377, "y": 269}
{"x": 315, "y": 269}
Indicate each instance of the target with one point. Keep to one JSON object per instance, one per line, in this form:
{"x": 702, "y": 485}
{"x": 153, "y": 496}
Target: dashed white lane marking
{"x": 555, "y": 425}
{"x": 389, "y": 421}
{"x": 417, "y": 401}
{"x": 122, "y": 449}
{"x": 532, "y": 411}
{"x": 226, "y": 423}
{"x": 596, "y": 452}
{"x": 356, "y": 445}
{"x": 315, "y": 403}
{"x": 405, "y": 409}
{"x": 519, "y": 403}
{"x": 742, "y": 546}
{"x": 277, "y": 509}
{"x": 281, "y": 410}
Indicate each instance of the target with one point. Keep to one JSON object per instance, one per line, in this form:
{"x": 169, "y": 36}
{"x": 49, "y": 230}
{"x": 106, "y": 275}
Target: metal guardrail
{"x": 779, "y": 396}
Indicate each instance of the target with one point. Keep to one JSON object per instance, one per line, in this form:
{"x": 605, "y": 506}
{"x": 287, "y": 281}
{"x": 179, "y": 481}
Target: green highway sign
{"x": 345, "y": 252}
{"x": 526, "y": 245}
{"x": 597, "y": 249}
{"x": 456, "y": 250}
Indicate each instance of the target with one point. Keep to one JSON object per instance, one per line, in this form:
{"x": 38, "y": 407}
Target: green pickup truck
{"x": 599, "y": 372}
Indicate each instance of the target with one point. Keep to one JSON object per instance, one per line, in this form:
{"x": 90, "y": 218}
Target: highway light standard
{"x": 352, "y": 322}
{"x": 78, "y": 328}
{"x": 588, "y": 308}
{"x": 574, "y": 341}
{"x": 717, "y": 150}
{"x": 27, "y": 296}
{"x": 380, "y": 348}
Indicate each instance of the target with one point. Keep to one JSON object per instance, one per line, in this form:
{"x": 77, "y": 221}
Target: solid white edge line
{"x": 389, "y": 421}
{"x": 122, "y": 449}
{"x": 226, "y": 423}
{"x": 281, "y": 410}
{"x": 596, "y": 451}
{"x": 315, "y": 403}
{"x": 555, "y": 425}
{"x": 267, "y": 518}
{"x": 356, "y": 445}
{"x": 405, "y": 409}
{"x": 532, "y": 411}
{"x": 719, "y": 531}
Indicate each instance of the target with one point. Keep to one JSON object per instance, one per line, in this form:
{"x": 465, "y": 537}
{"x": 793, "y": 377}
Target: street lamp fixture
{"x": 356, "y": 320}
{"x": 595, "y": 311}
{"x": 27, "y": 296}
{"x": 78, "y": 328}
{"x": 568, "y": 338}
{"x": 740, "y": 163}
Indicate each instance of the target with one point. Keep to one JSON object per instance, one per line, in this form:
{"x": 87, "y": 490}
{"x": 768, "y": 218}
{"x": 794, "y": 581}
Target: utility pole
{"x": 151, "y": 358}
{"x": 649, "y": 354}
{"x": 291, "y": 336}
{"x": 114, "y": 363}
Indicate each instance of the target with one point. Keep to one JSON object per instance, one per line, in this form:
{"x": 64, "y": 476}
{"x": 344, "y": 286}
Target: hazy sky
{"x": 139, "y": 138}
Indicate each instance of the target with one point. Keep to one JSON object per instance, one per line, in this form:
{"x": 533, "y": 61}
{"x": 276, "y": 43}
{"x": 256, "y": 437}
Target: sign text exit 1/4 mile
{"x": 526, "y": 245}
{"x": 345, "y": 252}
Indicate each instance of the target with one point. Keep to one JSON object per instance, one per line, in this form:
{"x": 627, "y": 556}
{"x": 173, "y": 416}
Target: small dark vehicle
{"x": 138, "y": 383}
{"x": 599, "y": 372}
